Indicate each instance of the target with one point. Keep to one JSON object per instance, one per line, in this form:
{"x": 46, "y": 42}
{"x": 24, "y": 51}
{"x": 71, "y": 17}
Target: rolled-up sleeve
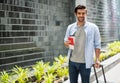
{"x": 67, "y": 34}
{"x": 97, "y": 38}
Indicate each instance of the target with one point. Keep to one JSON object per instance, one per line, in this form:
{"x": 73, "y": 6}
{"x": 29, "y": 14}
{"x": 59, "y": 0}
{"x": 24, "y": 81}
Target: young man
{"x": 87, "y": 41}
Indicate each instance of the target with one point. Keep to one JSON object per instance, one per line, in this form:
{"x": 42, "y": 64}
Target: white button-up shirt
{"x": 93, "y": 40}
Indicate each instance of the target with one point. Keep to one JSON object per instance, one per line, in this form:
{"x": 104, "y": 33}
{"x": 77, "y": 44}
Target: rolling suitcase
{"x": 101, "y": 66}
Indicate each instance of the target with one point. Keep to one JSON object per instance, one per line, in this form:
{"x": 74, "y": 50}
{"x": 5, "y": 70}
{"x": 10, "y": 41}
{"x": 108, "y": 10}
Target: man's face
{"x": 81, "y": 14}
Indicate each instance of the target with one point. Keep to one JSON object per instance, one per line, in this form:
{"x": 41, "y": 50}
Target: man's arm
{"x": 66, "y": 44}
{"x": 97, "y": 53}
{"x": 97, "y": 45}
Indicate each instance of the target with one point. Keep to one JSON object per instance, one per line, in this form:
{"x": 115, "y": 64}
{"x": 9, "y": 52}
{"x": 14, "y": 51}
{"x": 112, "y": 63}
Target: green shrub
{"x": 112, "y": 49}
{"x": 22, "y": 74}
{"x": 5, "y": 78}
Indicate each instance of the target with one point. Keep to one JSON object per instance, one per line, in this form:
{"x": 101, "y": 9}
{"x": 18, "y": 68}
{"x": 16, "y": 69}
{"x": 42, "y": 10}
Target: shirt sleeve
{"x": 67, "y": 34}
{"x": 97, "y": 38}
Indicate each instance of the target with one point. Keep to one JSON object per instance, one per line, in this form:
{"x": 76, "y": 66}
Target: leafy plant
{"x": 114, "y": 46}
{"x": 5, "y": 78}
{"x": 103, "y": 56}
{"x": 60, "y": 59}
{"x": 22, "y": 74}
{"x": 60, "y": 72}
{"x": 51, "y": 69}
{"x": 65, "y": 71}
{"x": 49, "y": 78}
{"x": 39, "y": 70}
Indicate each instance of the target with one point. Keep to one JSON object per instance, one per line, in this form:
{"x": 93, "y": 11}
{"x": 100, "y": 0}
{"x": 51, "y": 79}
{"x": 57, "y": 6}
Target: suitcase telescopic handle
{"x": 102, "y": 72}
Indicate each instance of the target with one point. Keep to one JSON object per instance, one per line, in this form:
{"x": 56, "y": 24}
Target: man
{"x": 87, "y": 41}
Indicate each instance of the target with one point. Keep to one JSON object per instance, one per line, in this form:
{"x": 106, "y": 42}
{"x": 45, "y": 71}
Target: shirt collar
{"x": 86, "y": 24}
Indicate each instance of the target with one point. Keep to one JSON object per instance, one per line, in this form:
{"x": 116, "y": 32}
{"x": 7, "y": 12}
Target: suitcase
{"x": 101, "y": 66}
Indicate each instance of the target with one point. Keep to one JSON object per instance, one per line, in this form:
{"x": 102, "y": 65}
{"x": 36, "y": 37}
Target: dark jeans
{"x": 78, "y": 68}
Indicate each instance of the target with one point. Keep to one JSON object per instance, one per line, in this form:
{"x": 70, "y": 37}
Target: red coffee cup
{"x": 71, "y": 39}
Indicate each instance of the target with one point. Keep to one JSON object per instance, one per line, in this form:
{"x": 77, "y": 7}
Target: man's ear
{"x": 86, "y": 11}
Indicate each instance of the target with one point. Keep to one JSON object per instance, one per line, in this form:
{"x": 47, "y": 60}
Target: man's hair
{"x": 79, "y": 7}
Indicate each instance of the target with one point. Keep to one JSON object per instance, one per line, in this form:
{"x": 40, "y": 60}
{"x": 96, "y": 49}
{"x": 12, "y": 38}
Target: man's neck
{"x": 80, "y": 24}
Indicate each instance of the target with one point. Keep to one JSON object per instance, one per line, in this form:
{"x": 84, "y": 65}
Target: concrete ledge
{"x": 107, "y": 64}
